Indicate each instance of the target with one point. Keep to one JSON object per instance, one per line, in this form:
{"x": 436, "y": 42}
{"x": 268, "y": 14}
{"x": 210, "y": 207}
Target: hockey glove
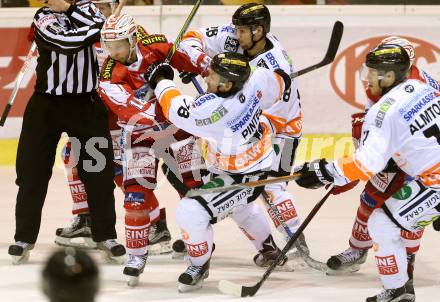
{"x": 157, "y": 72}
{"x": 186, "y": 76}
{"x": 357, "y": 120}
{"x": 314, "y": 175}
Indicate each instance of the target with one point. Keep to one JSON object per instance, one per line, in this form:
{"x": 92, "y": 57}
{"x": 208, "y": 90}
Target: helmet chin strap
{"x": 132, "y": 48}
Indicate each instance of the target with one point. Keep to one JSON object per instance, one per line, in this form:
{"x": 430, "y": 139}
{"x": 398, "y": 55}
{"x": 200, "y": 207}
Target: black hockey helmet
{"x": 252, "y": 14}
{"x": 232, "y": 66}
{"x": 390, "y": 57}
{"x": 70, "y": 275}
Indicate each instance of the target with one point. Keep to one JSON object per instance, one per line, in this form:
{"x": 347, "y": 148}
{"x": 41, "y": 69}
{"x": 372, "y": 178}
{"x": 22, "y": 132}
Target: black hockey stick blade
{"x": 230, "y": 288}
{"x": 335, "y": 40}
{"x": 5, "y": 114}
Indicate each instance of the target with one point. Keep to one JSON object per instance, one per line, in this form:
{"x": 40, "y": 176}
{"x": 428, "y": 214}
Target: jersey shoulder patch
{"x": 107, "y": 69}
{"x": 152, "y": 39}
{"x": 141, "y": 33}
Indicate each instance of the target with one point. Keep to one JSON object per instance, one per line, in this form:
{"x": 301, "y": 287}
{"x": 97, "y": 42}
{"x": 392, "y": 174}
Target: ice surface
{"x": 326, "y": 235}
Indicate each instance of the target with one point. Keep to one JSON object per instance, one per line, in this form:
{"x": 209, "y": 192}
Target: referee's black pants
{"x": 46, "y": 117}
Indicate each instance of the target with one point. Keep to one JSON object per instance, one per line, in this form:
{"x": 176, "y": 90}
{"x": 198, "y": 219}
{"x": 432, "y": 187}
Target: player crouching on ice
{"x": 231, "y": 156}
{"x": 393, "y": 129}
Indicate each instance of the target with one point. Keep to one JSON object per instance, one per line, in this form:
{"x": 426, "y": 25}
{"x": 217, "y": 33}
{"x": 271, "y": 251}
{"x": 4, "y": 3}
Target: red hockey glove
{"x": 357, "y": 120}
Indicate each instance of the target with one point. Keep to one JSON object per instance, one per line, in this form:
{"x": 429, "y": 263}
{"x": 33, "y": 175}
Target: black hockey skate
{"x": 159, "y": 237}
{"x": 349, "y": 261}
{"x": 268, "y": 254}
{"x": 78, "y": 234}
{"x": 401, "y": 294}
{"x": 134, "y": 267}
{"x": 112, "y": 251}
{"x": 20, "y": 252}
{"x": 193, "y": 277}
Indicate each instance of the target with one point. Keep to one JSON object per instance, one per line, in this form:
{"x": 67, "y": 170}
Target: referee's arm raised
{"x": 65, "y": 38}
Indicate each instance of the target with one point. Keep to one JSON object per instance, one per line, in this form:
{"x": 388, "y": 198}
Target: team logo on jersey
{"x": 384, "y": 107}
{"x": 242, "y": 98}
{"x": 231, "y": 44}
{"x": 262, "y": 63}
{"x": 141, "y": 33}
{"x": 404, "y": 193}
{"x": 106, "y": 73}
{"x": 345, "y": 69}
{"x": 215, "y": 117}
{"x": 409, "y": 88}
{"x": 152, "y": 39}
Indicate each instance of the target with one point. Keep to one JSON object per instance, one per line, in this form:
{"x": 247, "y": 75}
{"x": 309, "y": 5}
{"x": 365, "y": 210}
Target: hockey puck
{"x": 179, "y": 246}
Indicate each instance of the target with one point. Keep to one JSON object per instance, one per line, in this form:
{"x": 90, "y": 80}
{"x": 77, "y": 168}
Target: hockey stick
{"x": 197, "y": 85}
{"x": 312, "y": 263}
{"x": 251, "y": 184}
{"x": 17, "y": 84}
{"x": 230, "y": 288}
{"x": 335, "y": 40}
{"x": 185, "y": 26}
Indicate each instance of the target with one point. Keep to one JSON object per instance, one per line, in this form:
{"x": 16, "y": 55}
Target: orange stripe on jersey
{"x": 431, "y": 176}
{"x": 277, "y": 121}
{"x": 282, "y": 126}
{"x": 193, "y": 35}
{"x": 166, "y": 98}
{"x": 281, "y": 83}
{"x": 252, "y": 155}
{"x": 353, "y": 169}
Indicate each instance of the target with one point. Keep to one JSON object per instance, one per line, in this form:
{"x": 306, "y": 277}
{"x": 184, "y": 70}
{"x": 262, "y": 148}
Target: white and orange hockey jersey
{"x": 237, "y": 138}
{"x": 403, "y": 125}
{"x": 414, "y": 74}
{"x": 285, "y": 116}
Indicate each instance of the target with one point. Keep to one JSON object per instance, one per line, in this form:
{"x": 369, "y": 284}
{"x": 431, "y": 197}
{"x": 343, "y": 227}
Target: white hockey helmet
{"x": 407, "y": 45}
{"x": 119, "y": 28}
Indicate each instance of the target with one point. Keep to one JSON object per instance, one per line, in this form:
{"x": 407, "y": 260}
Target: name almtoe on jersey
{"x": 426, "y": 117}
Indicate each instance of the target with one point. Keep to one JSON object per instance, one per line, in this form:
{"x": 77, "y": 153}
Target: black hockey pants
{"x": 46, "y": 117}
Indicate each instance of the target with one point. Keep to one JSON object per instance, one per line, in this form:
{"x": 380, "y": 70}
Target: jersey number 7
{"x": 433, "y": 131}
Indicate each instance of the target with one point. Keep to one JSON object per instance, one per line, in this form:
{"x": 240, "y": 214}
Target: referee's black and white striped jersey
{"x": 67, "y": 61}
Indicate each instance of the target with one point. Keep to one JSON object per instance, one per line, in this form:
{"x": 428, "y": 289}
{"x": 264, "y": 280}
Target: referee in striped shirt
{"x": 65, "y": 100}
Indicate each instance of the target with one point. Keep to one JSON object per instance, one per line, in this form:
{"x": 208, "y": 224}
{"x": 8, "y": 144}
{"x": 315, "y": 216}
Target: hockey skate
{"x": 134, "y": 267}
{"x": 112, "y": 251}
{"x": 349, "y": 261}
{"x": 193, "y": 278}
{"x": 268, "y": 254}
{"x": 159, "y": 237}
{"x": 401, "y": 294}
{"x": 78, "y": 234}
{"x": 179, "y": 250}
{"x": 20, "y": 252}
{"x": 298, "y": 252}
